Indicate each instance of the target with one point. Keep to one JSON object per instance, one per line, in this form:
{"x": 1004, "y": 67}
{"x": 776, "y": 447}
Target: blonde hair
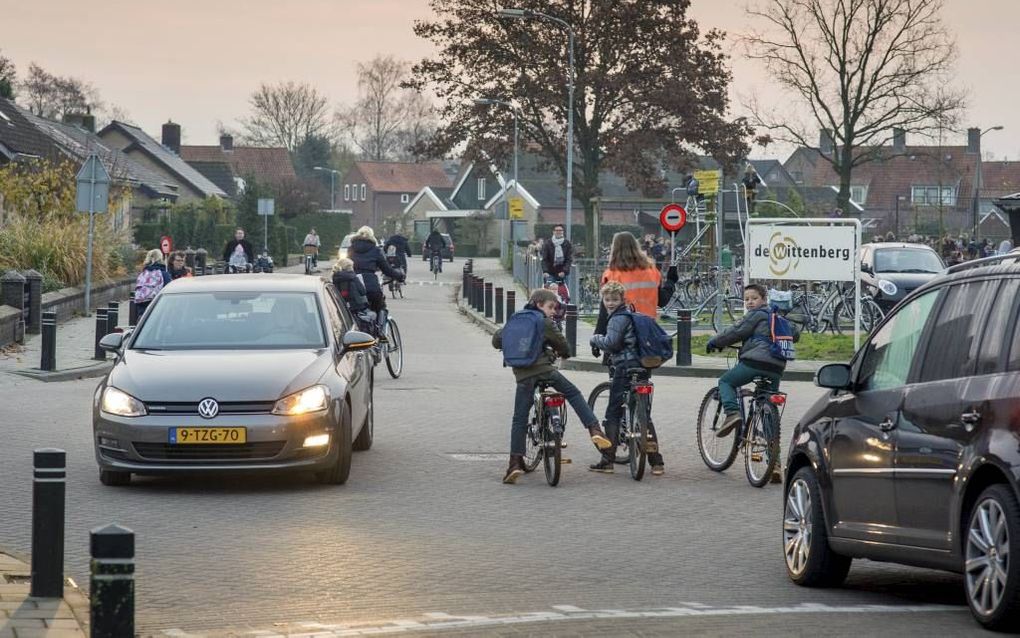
{"x": 365, "y": 232}
{"x": 625, "y": 254}
{"x": 154, "y": 256}
{"x": 540, "y": 296}
{"x": 343, "y": 263}
{"x": 614, "y": 289}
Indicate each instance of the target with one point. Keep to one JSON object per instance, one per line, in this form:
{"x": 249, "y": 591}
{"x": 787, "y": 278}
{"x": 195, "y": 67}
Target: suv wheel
{"x": 992, "y": 579}
{"x": 809, "y": 560}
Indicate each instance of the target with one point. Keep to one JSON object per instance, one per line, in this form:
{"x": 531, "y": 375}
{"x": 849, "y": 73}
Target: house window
{"x": 405, "y": 198}
{"x": 481, "y": 189}
{"x": 858, "y": 194}
{"x": 364, "y": 192}
{"x": 929, "y": 195}
{"x": 347, "y": 192}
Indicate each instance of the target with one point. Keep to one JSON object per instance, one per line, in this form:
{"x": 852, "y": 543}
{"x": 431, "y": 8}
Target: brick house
{"x": 226, "y": 164}
{"x": 373, "y": 191}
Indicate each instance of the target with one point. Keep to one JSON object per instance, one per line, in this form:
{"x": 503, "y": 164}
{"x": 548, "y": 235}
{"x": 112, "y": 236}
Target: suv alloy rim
{"x": 987, "y": 558}
{"x": 797, "y": 526}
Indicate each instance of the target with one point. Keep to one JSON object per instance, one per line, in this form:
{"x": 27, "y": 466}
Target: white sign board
{"x": 800, "y": 252}
{"x": 266, "y": 206}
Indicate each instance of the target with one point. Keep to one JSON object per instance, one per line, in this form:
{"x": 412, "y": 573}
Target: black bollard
{"x": 112, "y": 581}
{"x": 465, "y": 283}
{"x": 48, "y": 360}
{"x": 100, "y": 354}
{"x": 683, "y": 337}
{"x": 570, "y": 327}
{"x": 470, "y": 263}
{"x": 488, "y": 299}
{"x": 112, "y": 316}
{"x": 511, "y": 303}
{"x": 132, "y": 311}
{"x": 499, "y": 305}
{"x": 48, "y": 483}
{"x": 476, "y": 294}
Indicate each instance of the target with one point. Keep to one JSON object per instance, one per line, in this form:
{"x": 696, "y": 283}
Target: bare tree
{"x": 285, "y": 114}
{"x": 861, "y": 68}
{"x": 420, "y": 125}
{"x": 53, "y": 96}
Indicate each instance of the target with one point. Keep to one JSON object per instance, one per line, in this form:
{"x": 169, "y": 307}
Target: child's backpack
{"x": 523, "y": 338}
{"x": 147, "y": 285}
{"x": 655, "y": 347}
{"x": 780, "y": 336}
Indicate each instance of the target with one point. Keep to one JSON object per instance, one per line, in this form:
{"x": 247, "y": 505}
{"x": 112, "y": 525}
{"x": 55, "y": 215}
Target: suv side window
{"x": 999, "y": 327}
{"x": 891, "y": 350}
{"x": 952, "y": 350}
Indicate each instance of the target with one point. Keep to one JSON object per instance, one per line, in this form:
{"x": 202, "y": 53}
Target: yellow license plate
{"x": 207, "y": 436}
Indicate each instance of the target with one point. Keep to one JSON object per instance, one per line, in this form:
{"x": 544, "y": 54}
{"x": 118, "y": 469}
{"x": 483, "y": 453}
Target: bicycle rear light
{"x": 555, "y": 401}
{"x": 777, "y": 399}
{"x": 644, "y": 389}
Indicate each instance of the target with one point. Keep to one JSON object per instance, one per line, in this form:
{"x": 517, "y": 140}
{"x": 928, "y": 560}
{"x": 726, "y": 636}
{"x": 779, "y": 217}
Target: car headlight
{"x": 887, "y": 287}
{"x": 313, "y": 399}
{"x": 121, "y": 403}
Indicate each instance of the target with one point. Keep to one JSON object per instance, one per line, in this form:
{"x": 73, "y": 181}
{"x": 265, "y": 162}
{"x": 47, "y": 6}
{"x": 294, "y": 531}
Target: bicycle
{"x": 758, "y": 435}
{"x": 395, "y": 286}
{"x": 391, "y": 346}
{"x": 311, "y": 252}
{"x": 436, "y": 263}
{"x": 633, "y": 442}
{"x": 546, "y": 422}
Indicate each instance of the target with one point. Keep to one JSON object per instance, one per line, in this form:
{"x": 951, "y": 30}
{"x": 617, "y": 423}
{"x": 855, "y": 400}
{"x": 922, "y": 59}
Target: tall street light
{"x": 332, "y": 184}
{"x": 485, "y": 101}
{"x": 977, "y": 187}
{"x": 528, "y": 14}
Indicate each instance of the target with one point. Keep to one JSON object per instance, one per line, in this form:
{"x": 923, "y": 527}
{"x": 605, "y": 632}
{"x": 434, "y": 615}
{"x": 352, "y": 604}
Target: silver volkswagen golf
{"x": 238, "y": 372}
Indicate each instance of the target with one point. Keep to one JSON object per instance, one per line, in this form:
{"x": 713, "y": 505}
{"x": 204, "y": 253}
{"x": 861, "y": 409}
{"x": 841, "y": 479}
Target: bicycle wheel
{"x": 762, "y": 446}
{"x": 394, "y": 349}
{"x": 552, "y": 435}
{"x": 533, "y": 444}
{"x": 718, "y": 453}
{"x": 843, "y": 316}
{"x": 598, "y": 400}
{"x": 637, "y": 417}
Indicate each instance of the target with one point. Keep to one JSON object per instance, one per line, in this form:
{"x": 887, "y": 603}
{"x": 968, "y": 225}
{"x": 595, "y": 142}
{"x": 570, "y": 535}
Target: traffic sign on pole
{"x": 92, "y": 196}
{"x": 673, "y": 217}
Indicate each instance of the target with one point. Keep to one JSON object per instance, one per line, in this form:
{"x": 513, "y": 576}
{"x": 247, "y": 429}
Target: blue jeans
{"x": 524, "y": 398}
{"x": 619, "y": 385}
{"x": 737, "y": 377}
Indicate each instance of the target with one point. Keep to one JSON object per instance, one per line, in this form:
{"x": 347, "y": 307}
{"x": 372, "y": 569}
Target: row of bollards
{"x": 107, "y": 321}
{"x": 112, "y": 548}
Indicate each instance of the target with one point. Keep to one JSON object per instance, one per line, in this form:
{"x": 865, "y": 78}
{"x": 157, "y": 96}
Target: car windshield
{"x": 907, "y": 260}
{"x": 232, "y": 320}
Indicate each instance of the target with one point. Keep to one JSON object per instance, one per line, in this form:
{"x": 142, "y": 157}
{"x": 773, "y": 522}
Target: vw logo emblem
{"x": 208, "y": 408}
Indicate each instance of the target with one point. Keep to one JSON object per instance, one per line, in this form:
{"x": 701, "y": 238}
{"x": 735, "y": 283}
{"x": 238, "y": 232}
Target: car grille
{"x": 223, "y": 452}
{"x": 240, "y": 407}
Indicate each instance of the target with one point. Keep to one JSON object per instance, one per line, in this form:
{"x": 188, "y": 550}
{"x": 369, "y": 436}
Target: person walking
{"x": 150, "y": 280}
{"x": 238, "y": 252}
{"x": 557, "y": 255}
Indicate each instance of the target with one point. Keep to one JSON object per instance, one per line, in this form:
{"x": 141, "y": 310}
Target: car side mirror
{"x": 112, "y": 342}
{"x": 866, "y": 268}
{"x": 355, "y": 341}
{"x": 836, "y": 376}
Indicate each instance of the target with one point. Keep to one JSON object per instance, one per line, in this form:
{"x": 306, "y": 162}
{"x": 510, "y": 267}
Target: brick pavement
{"x": 22, "y": 616}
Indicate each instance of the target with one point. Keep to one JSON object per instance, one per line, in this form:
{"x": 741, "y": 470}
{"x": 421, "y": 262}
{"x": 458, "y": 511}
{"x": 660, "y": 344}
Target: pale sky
{"x": 196, "y": 61}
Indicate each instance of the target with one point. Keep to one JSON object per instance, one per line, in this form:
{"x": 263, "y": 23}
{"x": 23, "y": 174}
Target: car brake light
{"x": 644, "y": 389}
{"x": 777, "y": 399}
{"x": 555, "y": 401}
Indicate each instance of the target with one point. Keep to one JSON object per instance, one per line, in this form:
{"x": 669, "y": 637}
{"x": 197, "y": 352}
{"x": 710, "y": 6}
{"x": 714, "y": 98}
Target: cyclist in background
{"x": 312, "y": 241}
{"x": 435, "y": 244}
{"x": 402, "y": 249}
{"x": 368, "y": 259}
{"x": 238, "y": 252}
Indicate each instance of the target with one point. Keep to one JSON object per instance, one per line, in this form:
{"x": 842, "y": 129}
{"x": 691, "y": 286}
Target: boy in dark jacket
{"x": 352, "y": 291}
{"x": 543, "y": 370}
{"x": 620, "y": 346}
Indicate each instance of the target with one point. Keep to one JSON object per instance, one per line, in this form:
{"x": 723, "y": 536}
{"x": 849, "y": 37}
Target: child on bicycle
{"x": 352, "y": 290}
{"x": 755, "y": 358}
{"x": 554, "y": 346}
{"x": 620, "y": 346}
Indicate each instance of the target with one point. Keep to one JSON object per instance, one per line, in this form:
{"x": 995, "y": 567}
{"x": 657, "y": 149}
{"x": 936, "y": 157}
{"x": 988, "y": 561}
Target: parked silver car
{"x": 242, "y": 372}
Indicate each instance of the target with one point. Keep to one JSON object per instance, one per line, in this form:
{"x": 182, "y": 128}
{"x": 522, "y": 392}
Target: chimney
{"x": 226, "y": 142}
{"x": 899, "y": 140}
{"x": 172, "y": 136}
{"x": 825, "y": 142}
{"x": 974, "y": 141}
{"x": 85, "y": 121}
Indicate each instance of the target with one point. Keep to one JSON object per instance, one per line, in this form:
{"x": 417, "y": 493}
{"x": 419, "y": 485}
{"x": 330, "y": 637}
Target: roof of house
{"x": 218, "y": 173}
{"x": 403, "y": 177}
{"x": 79, "y": 144}
{"x": 19, "y": 136}
{"x": 267, "y": 164}
{"x": 159, "y": 153}
{"x": 999, "y": 179}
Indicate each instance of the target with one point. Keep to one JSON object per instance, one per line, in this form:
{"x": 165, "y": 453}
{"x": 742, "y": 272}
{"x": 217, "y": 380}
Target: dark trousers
{"x": 525, "y": 396}
{"x": 619, "y": 384}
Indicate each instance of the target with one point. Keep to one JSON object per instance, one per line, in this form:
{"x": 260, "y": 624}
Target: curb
{"x": 70, "y": 374}
{"x": 15, "y": 574}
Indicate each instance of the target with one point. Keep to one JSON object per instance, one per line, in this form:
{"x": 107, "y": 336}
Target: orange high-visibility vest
{"x": 642, "y": 287}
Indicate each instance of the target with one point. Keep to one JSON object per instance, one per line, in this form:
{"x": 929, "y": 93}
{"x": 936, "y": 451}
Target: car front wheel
{"x": 992, "y": 579}
{"x": 341, "y": 469}
{"x": 809, "y": 559}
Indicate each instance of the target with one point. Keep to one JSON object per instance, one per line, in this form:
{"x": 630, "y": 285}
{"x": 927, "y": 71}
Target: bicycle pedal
{"x": 565, "y": 461}
{"x": 756, "y": 457}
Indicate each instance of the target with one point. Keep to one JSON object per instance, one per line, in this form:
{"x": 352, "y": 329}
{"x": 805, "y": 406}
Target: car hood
{"x": 225, "y": 375}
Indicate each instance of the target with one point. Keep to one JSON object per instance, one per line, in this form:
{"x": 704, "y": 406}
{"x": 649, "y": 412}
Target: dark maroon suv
{"x": 913, "y": 456}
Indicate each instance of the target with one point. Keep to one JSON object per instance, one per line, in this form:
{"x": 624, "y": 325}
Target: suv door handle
{"x": 887, "y": 424}
{"x": 970, "y": 419}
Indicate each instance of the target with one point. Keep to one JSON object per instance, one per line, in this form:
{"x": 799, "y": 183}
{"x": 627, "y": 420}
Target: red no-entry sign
{"x": 673, "y": 217}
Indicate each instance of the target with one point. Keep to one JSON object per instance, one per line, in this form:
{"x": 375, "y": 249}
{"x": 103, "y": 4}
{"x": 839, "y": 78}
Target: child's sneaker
{"x": 658, "y": 470}
{"x": 731, "y": 422}
{"x": 605, "y": 466}
{"x": 598, "y": 437}
{"x": 514, "y": 470}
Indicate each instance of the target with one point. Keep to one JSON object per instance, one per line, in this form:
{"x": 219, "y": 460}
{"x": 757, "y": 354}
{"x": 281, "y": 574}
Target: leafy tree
{"x": 314, "y": 150}
{"x": 651, "y": 89}
{"x": 286, "y": 114}
{"x": 54, "y": 96}
{"x": 8, "y": 78}
{"x": 861, "y": 68}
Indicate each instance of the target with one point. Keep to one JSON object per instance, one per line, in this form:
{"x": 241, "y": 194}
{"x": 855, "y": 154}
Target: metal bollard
{"x": 112, "y": 581}
{"x": 477, "y": 294}
{"x": 499, "y": 305}
{"x": 683, "y": 337}
{"x": 470, "y": 264}
{"x": 48, "y": 359}
{"x": 464, "y": 283}
{"x": 488, "y": 299}
{"x": 132, "y": 311}
{"x": 112, "y": 316}
{"x": 100, "y": 354}
{"x": 48, "y": 483}
{"x": 511, "y": 303}
{"x": 570, "y": 327}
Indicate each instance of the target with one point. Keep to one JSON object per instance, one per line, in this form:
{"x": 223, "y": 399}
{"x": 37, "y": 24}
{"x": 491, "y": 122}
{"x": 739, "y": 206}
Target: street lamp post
{"x": 526, "y": 14}
{"x": 977, "y": 186}
{"x": 332, "y": 184}
{"x": 492, "y": 102}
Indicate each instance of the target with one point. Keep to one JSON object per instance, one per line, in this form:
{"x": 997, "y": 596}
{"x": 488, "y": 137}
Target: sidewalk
{"x": 22, "y": 616}
{"x": 701, "y": 366}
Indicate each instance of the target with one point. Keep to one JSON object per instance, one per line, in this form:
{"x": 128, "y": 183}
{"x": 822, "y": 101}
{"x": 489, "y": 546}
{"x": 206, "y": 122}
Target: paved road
{"x": 425, "y": 533}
